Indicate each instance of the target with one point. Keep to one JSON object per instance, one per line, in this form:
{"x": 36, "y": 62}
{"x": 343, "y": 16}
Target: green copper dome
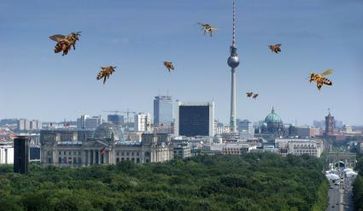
{"x": 273, "y": 117}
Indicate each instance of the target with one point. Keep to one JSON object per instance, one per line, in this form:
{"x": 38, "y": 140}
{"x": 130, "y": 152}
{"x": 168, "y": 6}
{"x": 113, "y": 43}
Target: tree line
{"x": 260, "y": 181}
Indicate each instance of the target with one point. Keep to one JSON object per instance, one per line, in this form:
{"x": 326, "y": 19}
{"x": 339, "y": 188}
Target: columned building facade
{"x": 105, "y": 148}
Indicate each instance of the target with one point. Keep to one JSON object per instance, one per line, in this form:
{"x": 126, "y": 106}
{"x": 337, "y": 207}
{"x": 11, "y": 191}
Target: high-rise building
{"x": 142, "y": 122}
{"x": 81, "y": 122}
{"x": 233, "y": 62}
{"x": 35, "y": 125}
{"x": 163, "y": 110}
{"x": 195, "y": 119}
{"x": 245, "y": 127}
{"x": 23, "y": 124}
{"x": 329, "y": 125}
{"x": 116, "y": 119}
{"x": 87, "y": 122}
{"x": 21, "y": 154}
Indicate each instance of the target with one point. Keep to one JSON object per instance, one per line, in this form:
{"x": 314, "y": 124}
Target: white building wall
{"x": 6, "y": 154}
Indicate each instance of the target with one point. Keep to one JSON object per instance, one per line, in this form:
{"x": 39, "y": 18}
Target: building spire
{"x": 234, "y": 24}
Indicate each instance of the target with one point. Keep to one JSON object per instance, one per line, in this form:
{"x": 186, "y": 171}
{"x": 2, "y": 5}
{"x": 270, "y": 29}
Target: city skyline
{"x": 38, "y": 84}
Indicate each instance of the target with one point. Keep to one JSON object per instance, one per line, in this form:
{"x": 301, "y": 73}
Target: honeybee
{"x": 64, "y": 43}
{"x": 321, "y": 79}
{"x": 105, "y": 73}
{"x": 207, "y": 28}
{"x": 251, "y": 94}
{"x": 169, "y": 65}
{"x": 275, "y": 48}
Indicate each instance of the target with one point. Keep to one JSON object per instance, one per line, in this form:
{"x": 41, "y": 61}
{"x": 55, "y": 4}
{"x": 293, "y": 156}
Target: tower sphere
{"x": 233, "y": 61}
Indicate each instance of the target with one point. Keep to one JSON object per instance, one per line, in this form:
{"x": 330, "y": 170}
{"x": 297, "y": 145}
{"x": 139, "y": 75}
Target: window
{"x": 64, "y": 153}
{"x": 59, "y": 160}
{"x": 122, "y": 159}
{"x": 138, "y": 160}
{"x": 127, "y": 153}
{"x": 122, "y": 153}
{"x": 60, "y": 153}
{"x": 132, "y": 153}
{"x": 137, "y": 153}
{"x": 69, "y": 153}
{"x": 117, "y": 153}
{"x": 117, "y": 160}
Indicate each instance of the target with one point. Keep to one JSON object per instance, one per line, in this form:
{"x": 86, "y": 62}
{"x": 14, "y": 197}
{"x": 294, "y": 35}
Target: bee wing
{"x": 57, "y": 37}
{"x": 278, "y": 45}
{"x": 327, "y": 72}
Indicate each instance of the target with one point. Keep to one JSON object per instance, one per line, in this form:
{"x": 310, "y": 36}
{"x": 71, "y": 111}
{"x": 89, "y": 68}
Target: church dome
{"x": 107, "y": 131}
{"x": 273, "y": 117}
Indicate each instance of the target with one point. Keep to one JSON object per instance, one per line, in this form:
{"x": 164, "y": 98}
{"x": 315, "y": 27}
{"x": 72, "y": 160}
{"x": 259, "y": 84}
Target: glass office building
{"x": 163, "y": 110}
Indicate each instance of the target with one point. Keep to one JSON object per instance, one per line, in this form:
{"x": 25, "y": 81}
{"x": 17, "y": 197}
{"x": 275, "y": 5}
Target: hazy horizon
{"x": 137, "y": 36}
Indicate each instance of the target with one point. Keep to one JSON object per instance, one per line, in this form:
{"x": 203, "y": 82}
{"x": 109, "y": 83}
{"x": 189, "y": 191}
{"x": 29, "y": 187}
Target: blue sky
{"x": 138, "y": 35}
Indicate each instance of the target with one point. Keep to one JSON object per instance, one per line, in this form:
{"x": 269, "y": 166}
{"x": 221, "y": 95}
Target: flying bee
{"x": 249, "y": 94}
{"x": 169, "y": 65}
{"x": 105, "y": 73}
{"x": 64, "y": 43}
{"x": 321, "y": 79}
{"x": 207, "y": 28}
{"x": 255, "y": 96}
{"x": 275, "y": 48}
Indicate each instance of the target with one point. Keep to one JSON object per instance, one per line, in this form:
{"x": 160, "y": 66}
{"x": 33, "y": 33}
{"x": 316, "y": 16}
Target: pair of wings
{"x": 275, "y": 46}
{"x": 206, "y": 26}
{"x": 57, "y": 37}
{"x": 327, "y": 72}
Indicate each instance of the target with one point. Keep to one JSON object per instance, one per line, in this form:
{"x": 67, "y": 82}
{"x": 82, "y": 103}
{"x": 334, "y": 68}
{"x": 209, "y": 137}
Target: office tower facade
{"x": 142, "y": 122}
{"x": 195, "y": 119}
{"x": 21, "y": 154}
{"x": 163, "y": 110}
{"x": 116, "y": 119}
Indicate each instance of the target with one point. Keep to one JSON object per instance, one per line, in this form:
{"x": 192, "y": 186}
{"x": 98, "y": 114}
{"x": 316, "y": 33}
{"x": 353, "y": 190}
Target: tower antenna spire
{"x": 234, "y": 24}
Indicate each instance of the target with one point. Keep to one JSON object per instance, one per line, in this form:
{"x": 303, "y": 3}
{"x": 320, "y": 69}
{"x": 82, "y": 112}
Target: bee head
{"x": 76, "y": 35}
{"x": 312, "y": 76}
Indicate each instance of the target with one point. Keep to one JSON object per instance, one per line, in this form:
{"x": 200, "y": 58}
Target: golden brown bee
{"x": 105, "y": 73}
{"x": 321, "y": 79}
{"x": 275, "y": 48}
{"x": 207, "y": 28}
{"x": 169, "y": 65}
{"x": 64, "y": 43}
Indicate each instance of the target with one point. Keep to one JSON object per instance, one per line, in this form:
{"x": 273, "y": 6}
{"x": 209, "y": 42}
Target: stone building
{"x": 104, "y": 147}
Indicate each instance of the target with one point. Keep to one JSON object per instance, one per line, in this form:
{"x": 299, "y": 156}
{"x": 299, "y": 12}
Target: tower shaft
{"x": 233, "y": 102}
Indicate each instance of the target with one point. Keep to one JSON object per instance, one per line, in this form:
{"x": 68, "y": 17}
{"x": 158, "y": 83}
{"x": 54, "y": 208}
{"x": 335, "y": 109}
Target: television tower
{"x": 233, "y": 62}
